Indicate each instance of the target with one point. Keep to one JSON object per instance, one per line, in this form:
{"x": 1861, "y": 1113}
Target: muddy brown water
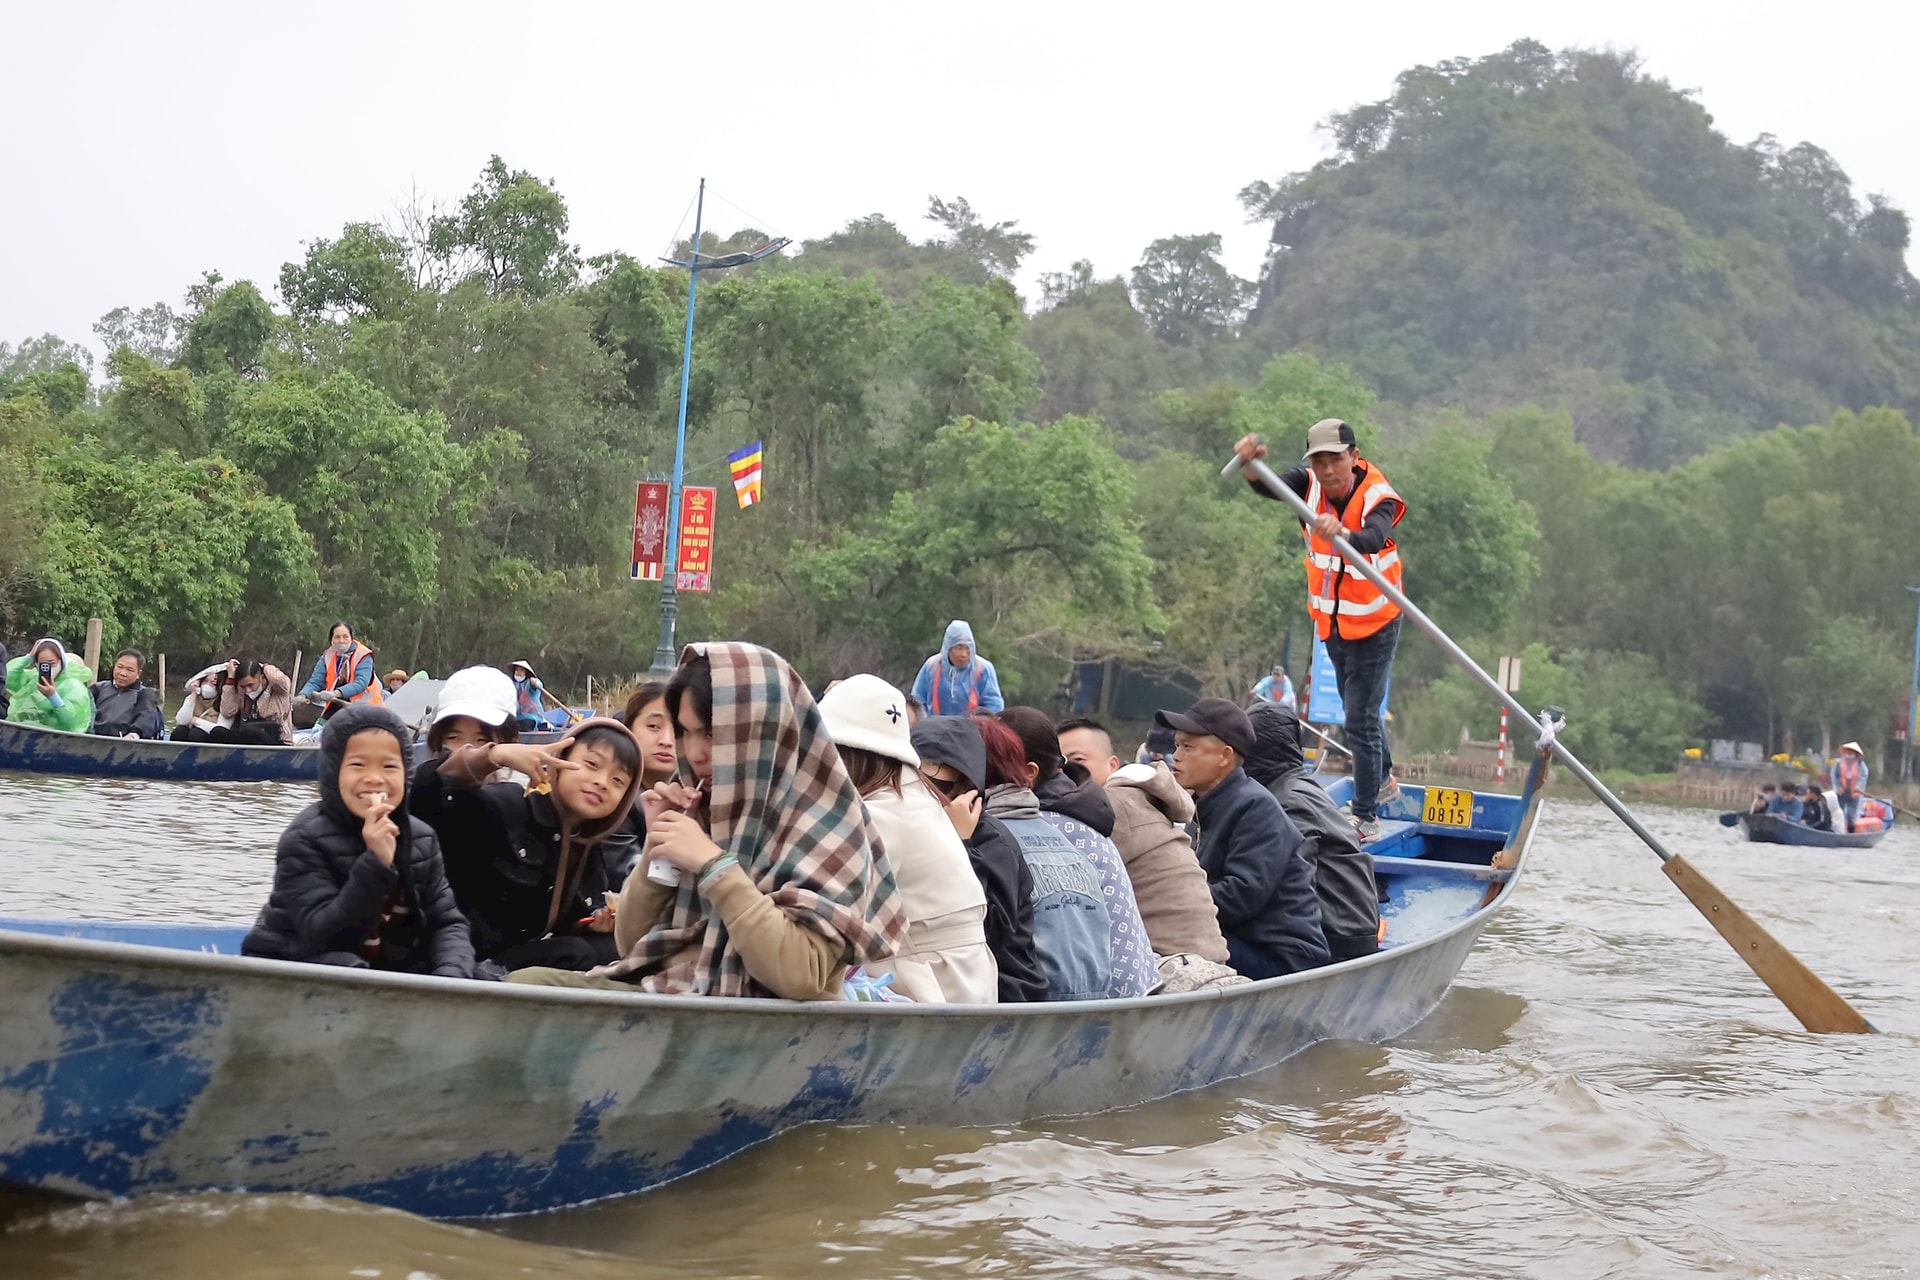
{"x": 1606, "y": 1091}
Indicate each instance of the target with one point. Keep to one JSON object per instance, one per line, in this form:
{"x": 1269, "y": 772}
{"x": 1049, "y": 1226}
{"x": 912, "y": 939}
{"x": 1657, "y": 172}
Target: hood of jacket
{"x": 360, "y": 717}
{"x": 42, "y": 643}
{"x": 958, "y": 632}
{"x": 590, "y": 833}
{"x": 955, "y": 742}
{"x": 1158, "y": 784}
{"x": 1276, "y": 743}
{"x": 1010, "y": 803}
{"x": 1072, "y": 793}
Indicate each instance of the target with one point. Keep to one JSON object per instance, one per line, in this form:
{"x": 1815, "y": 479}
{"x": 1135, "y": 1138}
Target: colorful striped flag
{"x": 745, "y": 465}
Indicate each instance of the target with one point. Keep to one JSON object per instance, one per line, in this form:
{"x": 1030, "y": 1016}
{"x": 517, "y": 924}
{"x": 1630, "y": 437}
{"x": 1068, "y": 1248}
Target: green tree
{"x": 962, "y": 346}
{"x": 230, "y": 329}
{"x": 993, "y": 249}
{"x": 511, "y": 231}
{"x": 1186, "y": 293}
{"x": 362, "y": 273}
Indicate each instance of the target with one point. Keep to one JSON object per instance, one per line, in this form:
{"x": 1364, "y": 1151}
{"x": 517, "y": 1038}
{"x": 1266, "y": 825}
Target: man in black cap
{"x": 1261, "y": 884}
{"x": 1355, "y": 620}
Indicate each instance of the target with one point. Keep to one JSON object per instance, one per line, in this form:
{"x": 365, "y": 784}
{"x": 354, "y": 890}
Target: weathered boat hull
{"x": 35, "y": 750}
{"x": 127, "y": 1069}
{"x": 1765, "y": 828}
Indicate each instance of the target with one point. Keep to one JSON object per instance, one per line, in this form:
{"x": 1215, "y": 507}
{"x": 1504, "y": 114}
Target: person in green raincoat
{"x": 47, "y": 688}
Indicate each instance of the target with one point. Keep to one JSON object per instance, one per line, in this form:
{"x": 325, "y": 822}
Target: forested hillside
{"x": 1515, "y": 277}
{"x": 1541, "y": 228}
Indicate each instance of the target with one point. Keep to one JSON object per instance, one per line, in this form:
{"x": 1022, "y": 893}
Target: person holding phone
{"x": 48, "y": 689}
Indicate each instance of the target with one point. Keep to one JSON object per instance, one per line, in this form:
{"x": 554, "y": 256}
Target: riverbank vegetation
{"x": 1567, "y": 316}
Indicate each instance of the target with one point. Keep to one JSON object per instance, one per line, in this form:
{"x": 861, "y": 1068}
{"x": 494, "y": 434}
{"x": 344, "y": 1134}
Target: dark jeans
{"x": 575, "y": 951}
{"x": 1259, "y": 964}
{"x": 247, "y": 733}
{"x": 189, "y": 733}
{"x": 1361, "y": 667}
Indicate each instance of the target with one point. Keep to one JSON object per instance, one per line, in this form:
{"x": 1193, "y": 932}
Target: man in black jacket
{"x": 123, "y": 707}
{"x": 1262, "y": 885}
{"x": 1342, "y": 871}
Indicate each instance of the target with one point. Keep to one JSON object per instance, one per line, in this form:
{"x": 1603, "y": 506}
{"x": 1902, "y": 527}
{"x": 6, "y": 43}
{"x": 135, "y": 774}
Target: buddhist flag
{"x": 745, "y": 465}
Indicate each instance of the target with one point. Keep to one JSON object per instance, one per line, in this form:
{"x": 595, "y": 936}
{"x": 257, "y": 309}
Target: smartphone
{"x": 46, "y": 672}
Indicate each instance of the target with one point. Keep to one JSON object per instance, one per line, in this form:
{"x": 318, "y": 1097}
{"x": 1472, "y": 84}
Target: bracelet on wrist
{"x": 717, "y": 865}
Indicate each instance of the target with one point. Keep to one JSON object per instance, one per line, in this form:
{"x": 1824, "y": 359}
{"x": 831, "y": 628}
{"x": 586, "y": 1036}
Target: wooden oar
{"x": 1817, "y": 1005}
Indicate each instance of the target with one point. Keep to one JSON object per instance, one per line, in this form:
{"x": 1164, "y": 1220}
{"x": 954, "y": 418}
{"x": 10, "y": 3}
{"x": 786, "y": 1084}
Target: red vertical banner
{"x": 650, "y": 531}
{"x": 696, "y": 539}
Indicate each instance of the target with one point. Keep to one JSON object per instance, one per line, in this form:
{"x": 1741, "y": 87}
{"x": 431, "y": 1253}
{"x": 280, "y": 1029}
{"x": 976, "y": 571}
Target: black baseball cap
{"x": 1214, "y": 717}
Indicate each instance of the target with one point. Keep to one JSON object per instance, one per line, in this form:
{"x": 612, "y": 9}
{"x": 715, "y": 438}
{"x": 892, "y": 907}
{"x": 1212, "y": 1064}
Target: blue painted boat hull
{"x": 126, "y": 1068}
{"x": 34, "y": 750}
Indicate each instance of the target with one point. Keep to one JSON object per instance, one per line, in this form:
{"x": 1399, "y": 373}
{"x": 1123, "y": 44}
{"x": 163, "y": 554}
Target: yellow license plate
{"x": 1444, "y": 808}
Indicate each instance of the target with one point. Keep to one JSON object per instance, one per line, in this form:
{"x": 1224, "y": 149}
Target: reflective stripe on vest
{"x": 936, "y": 669}
{"x": 372, "y": 694}
{"x": 1334, "y": 589}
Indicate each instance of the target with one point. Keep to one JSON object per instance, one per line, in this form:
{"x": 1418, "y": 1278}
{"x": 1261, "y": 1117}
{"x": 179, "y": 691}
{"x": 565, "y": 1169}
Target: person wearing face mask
{"x": 526, "y": 861}
{"x": 356, "y": 881}
{"x": 256, "y": 706}
{"x": 124, "y": 707}
{"x": 343, "y": 674}
{"x": 199, "y": 712}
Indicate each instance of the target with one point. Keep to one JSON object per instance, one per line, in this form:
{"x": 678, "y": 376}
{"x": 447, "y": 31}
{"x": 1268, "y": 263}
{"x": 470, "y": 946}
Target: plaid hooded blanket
{"x": 781, "y": 802}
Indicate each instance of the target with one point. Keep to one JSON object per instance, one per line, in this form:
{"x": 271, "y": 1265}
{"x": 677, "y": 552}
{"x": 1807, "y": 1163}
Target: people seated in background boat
{"x": 1814, "y": 811}
{"x": 1848, "y": 777}
{"x": 1157, "y": 749}
{"x": 1078, "y": 809}
{"x": 256, "y": 706}
{"x": 525, "y": 860}
{"x": 47, "y": 688}
{"x": 529, "y": 710}
{"x": 357, "y": 881}
{"x": 1150, "y": 813}
{"x": 124, "y": 706}
{"x": 1786, "y": 803}
{"x": 957, "y": 680}
{"x": 343, "y": 674}
{"x": 1261, "y": 882}
{"x": 646, "y": 714}
{"x": 1343, "y": 878}
{"x": 1764, "y": 798}
{"x": 944, "y": 958}
{"x": 759, "y": 876}
{"x": 953, "y": 762}
{"x": 395, "y": 679}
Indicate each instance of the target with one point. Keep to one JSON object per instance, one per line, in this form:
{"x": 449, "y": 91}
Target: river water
{"x": 1607, "y": 1091}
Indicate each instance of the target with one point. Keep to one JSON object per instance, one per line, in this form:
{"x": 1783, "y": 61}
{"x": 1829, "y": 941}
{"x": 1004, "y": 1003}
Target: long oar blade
{"x": 1816, "y": 1004}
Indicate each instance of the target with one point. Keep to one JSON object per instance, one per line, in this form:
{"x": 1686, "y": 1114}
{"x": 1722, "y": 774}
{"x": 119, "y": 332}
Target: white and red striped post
{"x": 1500, "y": 759}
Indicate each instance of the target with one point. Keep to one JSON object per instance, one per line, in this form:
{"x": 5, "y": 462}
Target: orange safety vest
{"x": 372, "y": 694}
{"x": 1333, "y": 588}
{"x": 934, "y": 673}
{"x": 1846, "y": 779}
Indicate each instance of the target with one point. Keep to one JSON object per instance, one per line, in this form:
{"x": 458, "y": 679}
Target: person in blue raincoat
{"x": 957, "y": 679}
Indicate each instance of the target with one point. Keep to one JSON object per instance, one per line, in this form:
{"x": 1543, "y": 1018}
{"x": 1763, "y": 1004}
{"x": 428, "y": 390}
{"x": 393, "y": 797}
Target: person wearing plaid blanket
{"x": 759, "y": 878}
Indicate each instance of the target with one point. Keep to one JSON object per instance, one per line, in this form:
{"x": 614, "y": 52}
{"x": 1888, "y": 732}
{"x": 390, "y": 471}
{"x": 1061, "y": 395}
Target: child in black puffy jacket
{"x": 351, "y": 885}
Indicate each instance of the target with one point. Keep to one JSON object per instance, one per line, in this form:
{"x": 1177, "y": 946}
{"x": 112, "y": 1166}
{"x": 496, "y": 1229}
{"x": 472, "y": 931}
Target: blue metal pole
{"x": 665, "y": 658}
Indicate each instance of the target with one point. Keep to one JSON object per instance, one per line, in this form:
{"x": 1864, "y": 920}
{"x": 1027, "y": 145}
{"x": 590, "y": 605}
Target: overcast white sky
{"x": 147, "y": 142}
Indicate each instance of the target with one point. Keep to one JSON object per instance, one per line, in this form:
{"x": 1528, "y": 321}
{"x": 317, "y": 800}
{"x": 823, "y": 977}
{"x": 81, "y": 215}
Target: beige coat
{"x": 945, "y": 959}
{"x": 1175, "y": 903}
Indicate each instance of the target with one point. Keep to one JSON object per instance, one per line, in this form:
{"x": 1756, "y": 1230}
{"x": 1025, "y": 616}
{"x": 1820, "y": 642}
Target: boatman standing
{"x": 1356, "y": 621}
{"x": 1849, "y": 778}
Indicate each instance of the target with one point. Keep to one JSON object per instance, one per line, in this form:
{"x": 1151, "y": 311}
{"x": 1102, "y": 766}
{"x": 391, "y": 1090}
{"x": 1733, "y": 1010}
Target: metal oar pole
{"x": 1817, "y": 1005}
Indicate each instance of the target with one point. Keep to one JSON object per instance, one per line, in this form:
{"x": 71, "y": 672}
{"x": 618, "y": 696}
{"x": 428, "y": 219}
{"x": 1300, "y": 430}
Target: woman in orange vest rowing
{"x": 1356, "y": 621}
{"x": 343, "y": 674}
{"x": 1849, "y": 777}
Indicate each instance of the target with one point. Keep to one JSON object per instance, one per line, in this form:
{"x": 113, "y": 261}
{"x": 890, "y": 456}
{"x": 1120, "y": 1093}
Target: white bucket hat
{"x": 485, "y": 693}
{"x": 868, "y": 713}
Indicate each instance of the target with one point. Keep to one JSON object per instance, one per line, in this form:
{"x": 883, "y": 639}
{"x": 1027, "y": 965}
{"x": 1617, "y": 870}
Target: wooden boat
{"x": 142, "y": 1058}
{"x": 1767, "y": 828}
{"x": 30, "y": 749}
